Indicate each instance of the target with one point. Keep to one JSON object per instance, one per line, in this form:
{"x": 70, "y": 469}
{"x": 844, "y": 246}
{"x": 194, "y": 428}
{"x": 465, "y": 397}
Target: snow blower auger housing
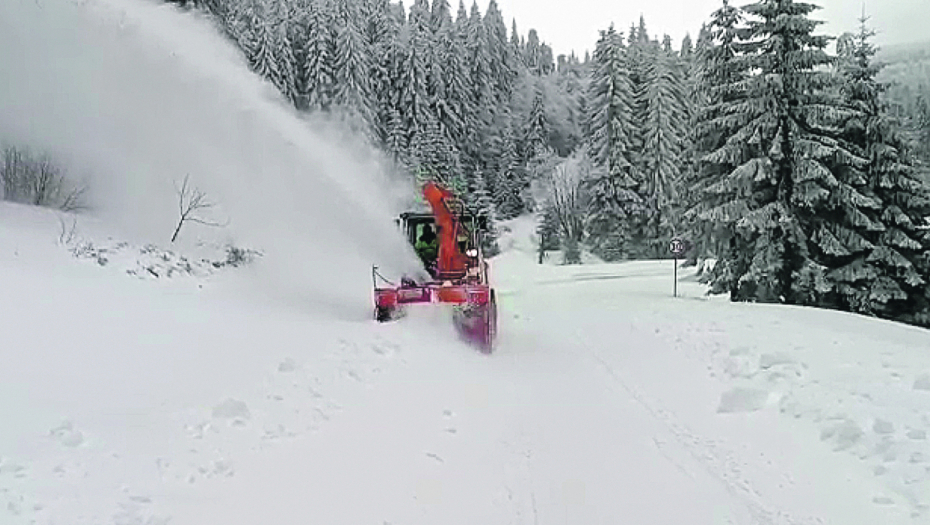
{"x": 449, "y": 240}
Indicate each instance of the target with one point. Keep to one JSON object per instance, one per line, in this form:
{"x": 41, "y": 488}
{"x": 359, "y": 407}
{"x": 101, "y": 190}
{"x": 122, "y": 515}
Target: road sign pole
{"x": 677, "y": 247}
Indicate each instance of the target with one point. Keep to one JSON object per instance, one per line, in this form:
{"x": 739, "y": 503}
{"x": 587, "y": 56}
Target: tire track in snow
{"x": 711, "y": 455}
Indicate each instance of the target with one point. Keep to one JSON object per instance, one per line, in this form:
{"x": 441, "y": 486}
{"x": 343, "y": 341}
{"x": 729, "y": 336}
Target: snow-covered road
{"x": 607, "y": 401}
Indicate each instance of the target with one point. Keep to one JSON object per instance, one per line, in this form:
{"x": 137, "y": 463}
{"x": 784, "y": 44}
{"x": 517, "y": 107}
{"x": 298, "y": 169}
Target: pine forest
{"x": 794, "y": 162}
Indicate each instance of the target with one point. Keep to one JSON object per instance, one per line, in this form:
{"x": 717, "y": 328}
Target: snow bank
{"x": 134, "y": 96}
{"x": 125, "y": 400}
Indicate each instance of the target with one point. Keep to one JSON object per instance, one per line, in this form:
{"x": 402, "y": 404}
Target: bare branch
{"x": 209, "y": 223}
{"x": 67, "y": 235}
{"x": 74, "y": 200}
{"x": 192, "y": 201}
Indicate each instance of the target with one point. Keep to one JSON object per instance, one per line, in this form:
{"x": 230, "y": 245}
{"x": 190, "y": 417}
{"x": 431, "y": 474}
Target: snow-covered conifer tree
{"x": 615, "y": 204}
{"x": 318, "y": 75}
{"x": 877, "y": 244}
{"x": 261, "y": 52}
{"x": 776, "y": 131}
{"x": 286, "y": 78}
{"x": 664, "y": 127}
{"x": 715, "y": 68}
{"x": 351, "y": 69}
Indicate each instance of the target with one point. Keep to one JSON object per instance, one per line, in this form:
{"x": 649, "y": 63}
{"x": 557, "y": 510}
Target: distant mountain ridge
{"x": 910, "y": 52}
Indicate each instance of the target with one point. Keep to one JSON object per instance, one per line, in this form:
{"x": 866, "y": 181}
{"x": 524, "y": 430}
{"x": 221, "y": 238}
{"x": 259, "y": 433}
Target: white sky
{"x": 574, "y": 24}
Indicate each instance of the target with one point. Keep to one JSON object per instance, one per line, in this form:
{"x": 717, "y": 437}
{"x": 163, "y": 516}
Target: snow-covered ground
{"x": 143, "y": 383}
{"x": 182, "y": 400}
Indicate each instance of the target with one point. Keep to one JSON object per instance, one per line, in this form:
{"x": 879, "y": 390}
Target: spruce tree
{"x": 396, "y": 137}
{"x": 879, "y": 248}
{"x": 616, "y": 206}
{"x": 238, "y": 23}
{"x": 536, "y": 129}
{"x": 663, "y": 131}
{"x": 687, "y": 47}
{"x": 547, "y": 230}
{"x": 481, "y": 96}
{"x": 317, "y": 75}
{"x": 501, "y": 63}
{"x": 516, "y": 47}
{"x": 640, "y": 53}
{"x": 440, "y": 16}
{"x": 479, "y": 200}
{"x": 351, "y": 70}
{"x": 410, "y": 94}
{"x": 262, "y": 47}
{"x": 716, "y": 68}
{"x": 378, "y": 31}
{"x": 775, "y": 127}
{"x": 286, "y": 78}
{"x": 511, "y": 179}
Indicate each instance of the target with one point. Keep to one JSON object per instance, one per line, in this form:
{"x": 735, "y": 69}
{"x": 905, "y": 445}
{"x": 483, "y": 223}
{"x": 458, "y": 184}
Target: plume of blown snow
{"x": 135, "y": 95}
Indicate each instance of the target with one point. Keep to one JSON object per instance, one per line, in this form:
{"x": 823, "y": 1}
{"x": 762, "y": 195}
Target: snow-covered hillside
{"x": 134, "y": 96}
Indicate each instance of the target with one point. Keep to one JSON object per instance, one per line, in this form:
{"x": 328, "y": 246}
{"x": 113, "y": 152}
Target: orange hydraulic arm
{"x": 451, "y": 261}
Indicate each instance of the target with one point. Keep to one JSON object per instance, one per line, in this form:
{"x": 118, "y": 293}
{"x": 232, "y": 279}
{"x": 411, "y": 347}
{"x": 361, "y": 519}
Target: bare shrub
{"x": 565, "y": 201}
{"x": 36, "y": 179}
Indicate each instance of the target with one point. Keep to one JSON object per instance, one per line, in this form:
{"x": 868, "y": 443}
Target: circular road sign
{"x": 676, "y": 246}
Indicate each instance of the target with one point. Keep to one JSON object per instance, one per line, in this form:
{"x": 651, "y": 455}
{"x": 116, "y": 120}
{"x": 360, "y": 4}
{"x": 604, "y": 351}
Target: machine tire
{"x": 489, "y": 335}
{"x": 384, "y": 314}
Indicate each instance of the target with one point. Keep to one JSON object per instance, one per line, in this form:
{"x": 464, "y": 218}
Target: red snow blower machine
{"x": 449, "y": 241}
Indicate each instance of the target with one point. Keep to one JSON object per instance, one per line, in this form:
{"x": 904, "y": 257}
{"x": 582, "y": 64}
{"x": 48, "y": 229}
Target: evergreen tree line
{"x": 780, "y": 161}
{"x": 790, "y": 167}
{"x": 639, "y": 107}
{"x": 454, "y": 98}
{"x": 803, "y": 186}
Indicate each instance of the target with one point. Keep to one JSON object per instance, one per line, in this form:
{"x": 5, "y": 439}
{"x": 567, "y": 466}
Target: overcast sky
{"x": 574, "y": 24}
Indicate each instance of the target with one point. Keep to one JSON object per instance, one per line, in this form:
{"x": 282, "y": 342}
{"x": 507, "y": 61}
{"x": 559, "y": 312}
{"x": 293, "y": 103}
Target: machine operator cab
{"x": 421, "y": 231}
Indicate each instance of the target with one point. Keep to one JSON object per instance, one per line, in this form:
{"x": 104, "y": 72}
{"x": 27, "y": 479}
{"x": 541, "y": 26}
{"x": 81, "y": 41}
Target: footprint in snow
{"x": 448, "y": 415}
{"x": 278, "y": 433}
{"x": 922, "y": 383}
{"x": 880, "y": 426}
{"x": 137, "y": 511}
{"x": 352, "y": 373}
{"x": 286, "y": 366}
{"x": 17, "y": 504}
{"x": 743, "y": 400}
{"x": 67, "y": 435}
{"x": 197, "y": 431}
{"x": 9, "y": 468}
{"x": 232, "y": 410}
{"x": 845, "y": 434}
